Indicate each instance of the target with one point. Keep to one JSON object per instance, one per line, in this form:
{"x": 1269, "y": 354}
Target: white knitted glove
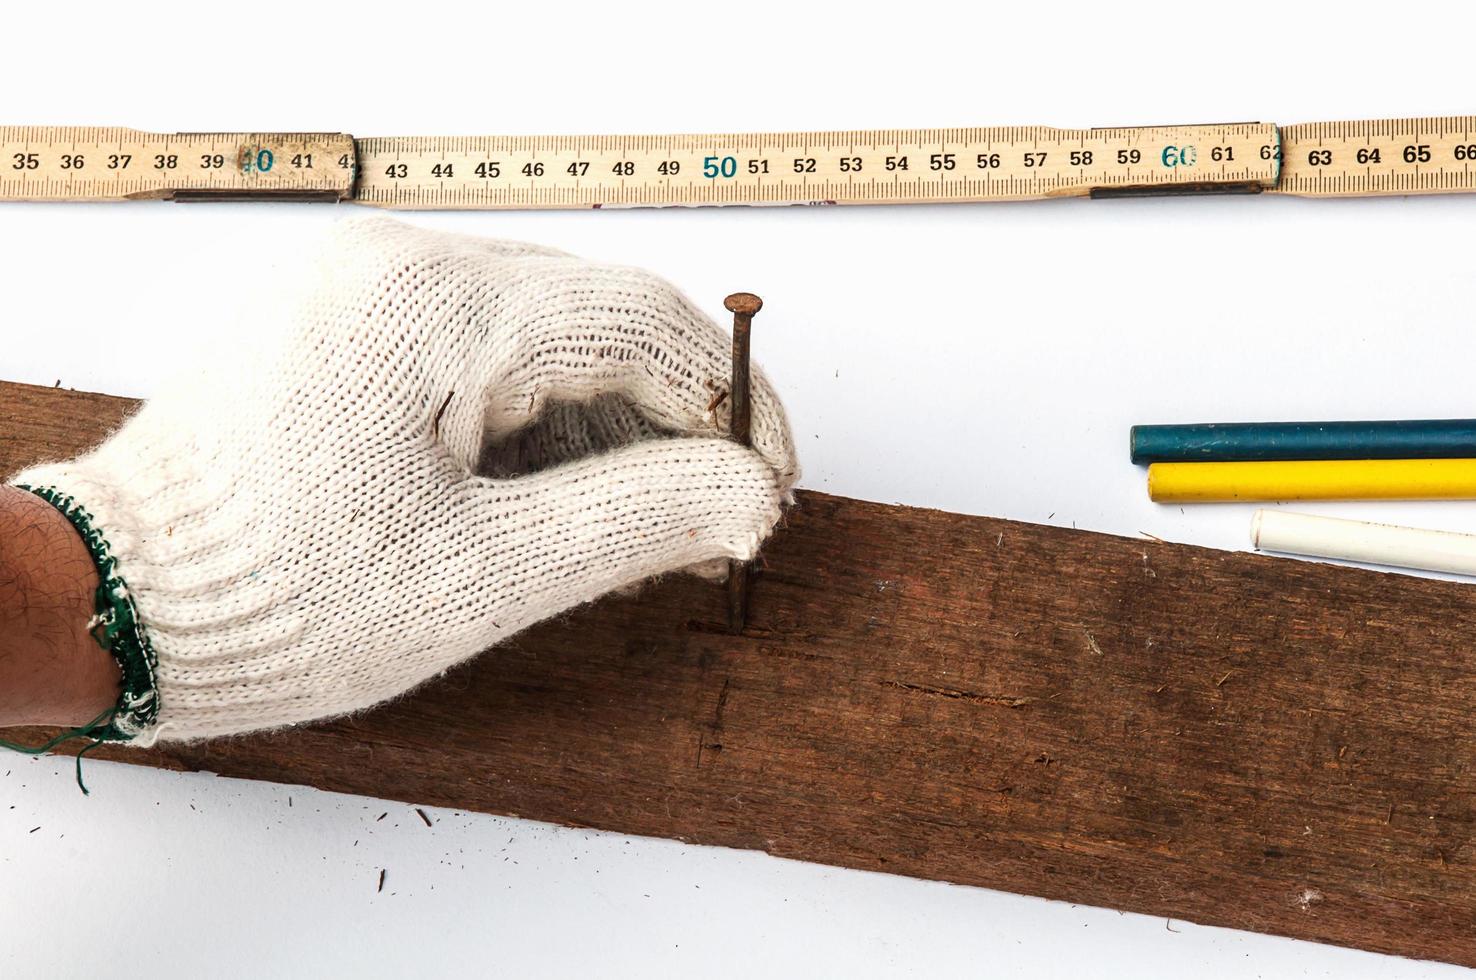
{"x": 457, "y": 439}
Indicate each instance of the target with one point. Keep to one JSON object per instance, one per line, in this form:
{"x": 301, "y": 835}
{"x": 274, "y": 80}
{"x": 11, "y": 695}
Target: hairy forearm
{"x": 52, "y": 672}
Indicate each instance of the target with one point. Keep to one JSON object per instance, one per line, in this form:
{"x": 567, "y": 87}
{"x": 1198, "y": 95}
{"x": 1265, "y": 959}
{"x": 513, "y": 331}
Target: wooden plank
{"x": 1230, "y": 739}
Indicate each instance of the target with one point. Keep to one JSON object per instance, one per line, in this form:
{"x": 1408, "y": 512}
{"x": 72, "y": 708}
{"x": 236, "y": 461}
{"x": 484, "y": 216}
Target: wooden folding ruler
{"x": 1017, "y": 163}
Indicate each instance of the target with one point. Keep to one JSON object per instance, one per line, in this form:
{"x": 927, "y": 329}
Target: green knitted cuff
{"x": 116, "y": 626}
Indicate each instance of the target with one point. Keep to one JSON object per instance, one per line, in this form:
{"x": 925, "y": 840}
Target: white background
{"x": 984, "y": 359}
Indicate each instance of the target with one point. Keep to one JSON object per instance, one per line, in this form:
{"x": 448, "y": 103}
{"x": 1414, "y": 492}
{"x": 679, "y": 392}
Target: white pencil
{"x": 1376, "y": 544}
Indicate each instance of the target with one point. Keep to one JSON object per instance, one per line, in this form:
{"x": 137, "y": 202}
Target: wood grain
{"x": 1230, "y": 739}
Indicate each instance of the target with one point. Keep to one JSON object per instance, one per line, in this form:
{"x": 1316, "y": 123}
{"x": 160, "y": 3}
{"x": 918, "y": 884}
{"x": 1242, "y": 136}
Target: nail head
{"x": 744, "y": 303}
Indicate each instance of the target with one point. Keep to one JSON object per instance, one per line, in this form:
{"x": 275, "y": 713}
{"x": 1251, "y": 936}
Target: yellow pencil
{"x": 1322, "y": 479}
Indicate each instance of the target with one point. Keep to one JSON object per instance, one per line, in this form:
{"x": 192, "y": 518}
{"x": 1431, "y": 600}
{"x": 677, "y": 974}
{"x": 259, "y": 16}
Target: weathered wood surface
{"x": 1230, "y": 739}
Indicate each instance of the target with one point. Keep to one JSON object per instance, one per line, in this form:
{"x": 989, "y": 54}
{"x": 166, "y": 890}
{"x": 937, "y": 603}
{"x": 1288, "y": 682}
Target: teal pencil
{"x": 1229, "y": 442}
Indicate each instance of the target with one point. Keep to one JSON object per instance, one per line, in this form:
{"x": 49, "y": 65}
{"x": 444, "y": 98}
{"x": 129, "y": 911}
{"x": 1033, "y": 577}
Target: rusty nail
{"x": 743, "y": 306}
